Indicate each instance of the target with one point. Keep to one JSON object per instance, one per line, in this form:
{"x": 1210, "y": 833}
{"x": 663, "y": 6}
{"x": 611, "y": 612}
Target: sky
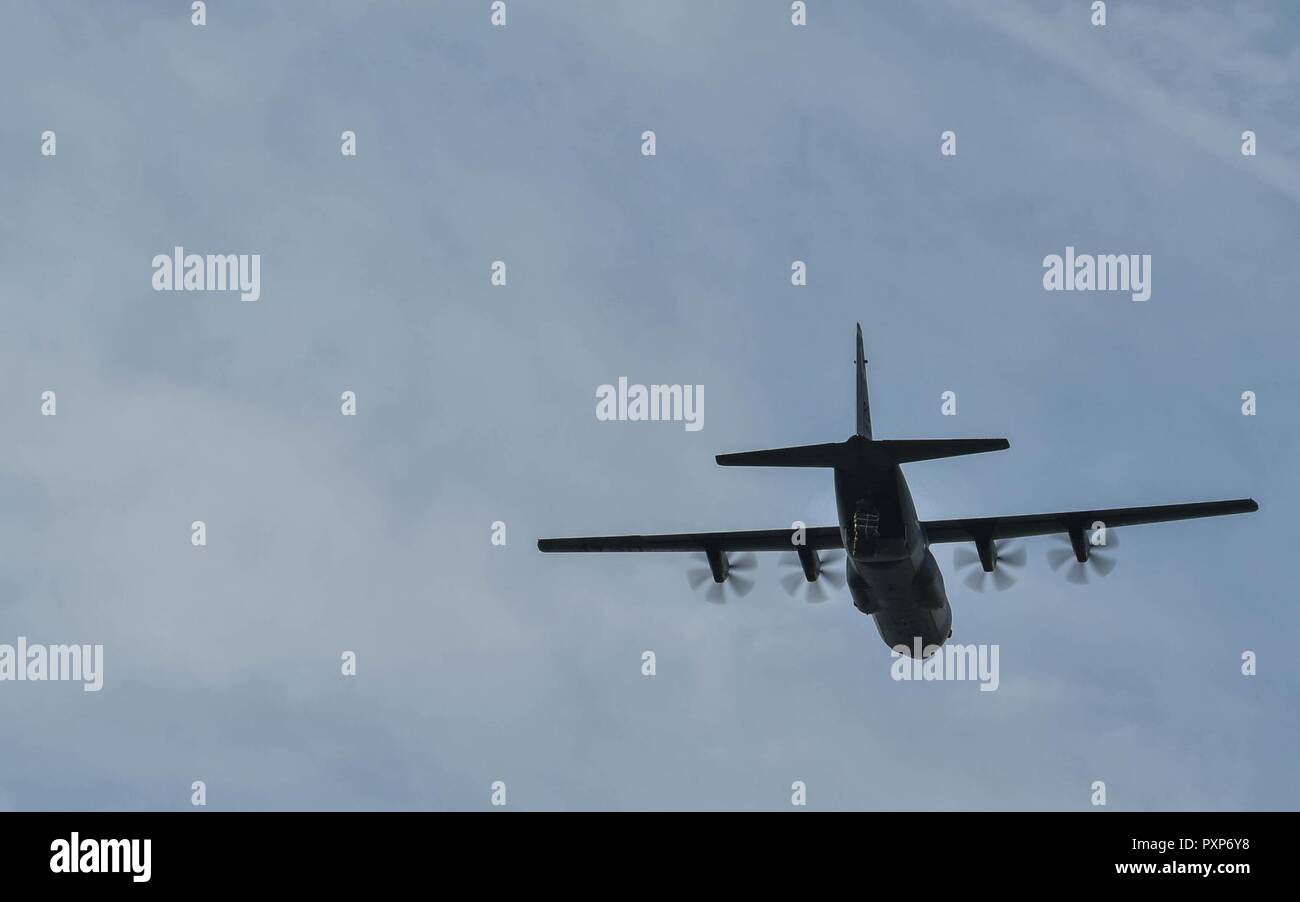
{"x": 478, "y": 663}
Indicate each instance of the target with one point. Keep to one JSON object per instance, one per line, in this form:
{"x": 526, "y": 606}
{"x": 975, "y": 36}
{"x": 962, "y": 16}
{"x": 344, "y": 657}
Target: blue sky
{"x": 475, "y": 404}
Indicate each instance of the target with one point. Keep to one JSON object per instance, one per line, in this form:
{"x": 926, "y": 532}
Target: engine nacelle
{"x": 718, "y": 564}
{"x": 811, "y": 563}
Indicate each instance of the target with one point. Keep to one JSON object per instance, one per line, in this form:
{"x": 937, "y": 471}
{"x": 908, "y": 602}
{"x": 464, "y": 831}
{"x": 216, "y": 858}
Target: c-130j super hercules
{"x": 891, "y": 572}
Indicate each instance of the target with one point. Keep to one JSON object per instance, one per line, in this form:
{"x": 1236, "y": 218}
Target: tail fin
{"x": 864, "y": 405}
{"x": 861, "y": 450}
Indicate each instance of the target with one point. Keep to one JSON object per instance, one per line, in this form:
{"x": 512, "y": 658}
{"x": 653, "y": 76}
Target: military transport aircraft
{"x": 891, "y": 573}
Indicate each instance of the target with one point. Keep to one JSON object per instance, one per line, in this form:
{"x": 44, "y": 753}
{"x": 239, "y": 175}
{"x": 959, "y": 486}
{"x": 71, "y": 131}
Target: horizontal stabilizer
{"x": 831, "y": 454}
{"x": 859, "y": 450}
{"x": 903, "y": 451}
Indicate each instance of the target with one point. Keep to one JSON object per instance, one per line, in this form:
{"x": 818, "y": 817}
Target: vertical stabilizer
{"x": 864, "y": 405}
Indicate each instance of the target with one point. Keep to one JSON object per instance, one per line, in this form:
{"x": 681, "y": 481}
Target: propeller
{"x": 814, "y": 591}
{"x": 1099, "y": 558}
{"x": 733, "y": 583}
{"x": 1005, "y": 555}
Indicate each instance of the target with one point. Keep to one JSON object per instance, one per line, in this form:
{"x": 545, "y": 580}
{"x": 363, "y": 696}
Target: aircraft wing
{"x": 818, "y": 538}
{"x": 973, "y": 528}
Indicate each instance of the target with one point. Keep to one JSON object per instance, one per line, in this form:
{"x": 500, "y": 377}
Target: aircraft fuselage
{"x": 891, "y": 573}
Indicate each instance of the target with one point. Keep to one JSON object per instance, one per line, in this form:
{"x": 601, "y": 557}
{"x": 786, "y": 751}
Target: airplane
{"x": 891, "y": 572}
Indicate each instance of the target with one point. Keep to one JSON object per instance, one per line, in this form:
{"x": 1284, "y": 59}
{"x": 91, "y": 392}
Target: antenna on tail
{"x": 864, "y": 405}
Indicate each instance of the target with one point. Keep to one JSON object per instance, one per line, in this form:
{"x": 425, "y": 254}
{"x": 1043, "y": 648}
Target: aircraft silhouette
{"x": 891, "y": 572}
